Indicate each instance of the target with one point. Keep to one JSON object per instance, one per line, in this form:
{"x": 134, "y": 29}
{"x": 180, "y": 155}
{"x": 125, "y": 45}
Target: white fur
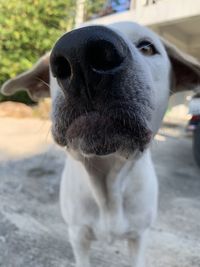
{"x": 118, "y": 204}
{"x": 111, "y": 197}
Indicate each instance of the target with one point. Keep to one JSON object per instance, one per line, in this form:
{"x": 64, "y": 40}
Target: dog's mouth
{"x": 105, "y": 102}
{"x": 103, "y": 134}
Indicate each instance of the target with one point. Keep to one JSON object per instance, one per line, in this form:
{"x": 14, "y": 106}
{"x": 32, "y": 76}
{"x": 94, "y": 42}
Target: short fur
{"x": 109, "y": 187}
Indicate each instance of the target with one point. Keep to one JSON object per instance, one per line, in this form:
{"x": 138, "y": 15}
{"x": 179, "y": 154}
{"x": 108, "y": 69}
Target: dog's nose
{"x": 83, "y": 56}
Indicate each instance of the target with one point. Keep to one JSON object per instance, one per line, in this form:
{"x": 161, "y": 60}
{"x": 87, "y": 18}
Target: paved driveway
{"x": 32, "y": 233}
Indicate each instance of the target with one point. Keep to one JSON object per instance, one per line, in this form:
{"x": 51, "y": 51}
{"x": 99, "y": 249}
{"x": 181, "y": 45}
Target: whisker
{"x": 43, "y": 82}
{"x": 47, "y": 134}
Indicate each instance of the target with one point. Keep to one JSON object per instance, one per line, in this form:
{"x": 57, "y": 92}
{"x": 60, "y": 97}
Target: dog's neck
{"x": 107, "y": 178}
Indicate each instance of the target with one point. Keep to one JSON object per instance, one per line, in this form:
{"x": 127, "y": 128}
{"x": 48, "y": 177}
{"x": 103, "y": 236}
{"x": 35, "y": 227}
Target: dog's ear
{"x": 34, "y": 81}
{"x": 185, "y": 69}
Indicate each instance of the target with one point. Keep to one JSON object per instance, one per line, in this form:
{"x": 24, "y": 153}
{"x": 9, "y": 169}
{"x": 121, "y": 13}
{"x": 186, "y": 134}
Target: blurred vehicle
{"x": 113, "y": 6}
{"x": 120, "y": 5}
{"x": 194, "y": 125}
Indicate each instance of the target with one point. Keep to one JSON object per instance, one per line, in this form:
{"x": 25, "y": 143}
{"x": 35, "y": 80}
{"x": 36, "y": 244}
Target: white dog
{"x": 110, "y": 88}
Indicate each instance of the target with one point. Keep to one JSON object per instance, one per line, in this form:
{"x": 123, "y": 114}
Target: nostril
{"x": 61, "y": 68}
{"x": 102, "y": 55}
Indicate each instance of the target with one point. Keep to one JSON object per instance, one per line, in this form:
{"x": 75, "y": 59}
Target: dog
{"x": 110, "y": 87}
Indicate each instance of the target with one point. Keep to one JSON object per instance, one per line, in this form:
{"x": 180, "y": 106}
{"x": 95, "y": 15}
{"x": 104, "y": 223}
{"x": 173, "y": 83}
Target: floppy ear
{"x": 185, "y": 69}
{"x": 34, "y": 81}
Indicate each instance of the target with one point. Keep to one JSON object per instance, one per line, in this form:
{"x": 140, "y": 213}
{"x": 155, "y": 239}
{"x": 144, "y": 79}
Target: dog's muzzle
{"x": 86, "y": 54}
{"x": 98, "y": 111}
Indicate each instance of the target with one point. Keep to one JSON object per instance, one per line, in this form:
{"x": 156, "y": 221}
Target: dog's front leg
{"x": 80, "y": 237}
{"x": 137, "y": 250}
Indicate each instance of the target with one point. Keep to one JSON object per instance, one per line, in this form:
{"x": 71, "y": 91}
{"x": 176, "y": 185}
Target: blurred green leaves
{"x": 28, "y": 29}
{"x": 93, "y": 7}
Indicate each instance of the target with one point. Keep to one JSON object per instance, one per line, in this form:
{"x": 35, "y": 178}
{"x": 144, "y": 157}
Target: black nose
{"x": 83, "y": 53}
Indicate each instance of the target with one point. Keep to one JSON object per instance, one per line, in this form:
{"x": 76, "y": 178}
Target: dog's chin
{"x": 96, "y": 135}
{"x": 81, "y": 151}
{"x": 88, "y": 147}
{"x": 93, "y": 152}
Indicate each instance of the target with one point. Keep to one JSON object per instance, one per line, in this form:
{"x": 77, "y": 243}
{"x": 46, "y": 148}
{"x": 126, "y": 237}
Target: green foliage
{"x": 93, "y": 7}
{"x": 18, "y": 97}
{"x": 28, "y": 30}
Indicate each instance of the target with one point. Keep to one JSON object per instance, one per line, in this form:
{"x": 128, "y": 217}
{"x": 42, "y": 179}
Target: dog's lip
{"x": 99, "y": 153}
{"x": 87, "y": 151}
{"x": 83, "y": 115}
{"x": 84, "y": 121}
{"x": 94, "y": 133}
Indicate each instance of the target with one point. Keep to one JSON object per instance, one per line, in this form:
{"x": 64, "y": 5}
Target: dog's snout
{"x": 61, "y": 68}
{"x": 102, "y": 55}
{"x": 82, "y": 53}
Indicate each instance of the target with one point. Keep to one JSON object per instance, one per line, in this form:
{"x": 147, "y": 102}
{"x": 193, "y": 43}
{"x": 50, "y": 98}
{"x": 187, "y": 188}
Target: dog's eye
{"x": 147, "y": 48}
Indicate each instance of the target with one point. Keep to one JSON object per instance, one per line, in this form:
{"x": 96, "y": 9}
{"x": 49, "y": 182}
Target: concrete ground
{"x": 32, "y": 232}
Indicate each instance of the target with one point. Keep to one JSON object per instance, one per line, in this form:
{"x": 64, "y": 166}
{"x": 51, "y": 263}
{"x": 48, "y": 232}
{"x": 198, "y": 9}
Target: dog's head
{"x": 110, "y": 87}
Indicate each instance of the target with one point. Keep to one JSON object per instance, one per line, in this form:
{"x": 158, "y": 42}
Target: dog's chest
{"x": 122, "y": 223}
{"x": 122, "y": 217}
{"x": 111, "y": 225}
{"x": 118, "y": 207}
